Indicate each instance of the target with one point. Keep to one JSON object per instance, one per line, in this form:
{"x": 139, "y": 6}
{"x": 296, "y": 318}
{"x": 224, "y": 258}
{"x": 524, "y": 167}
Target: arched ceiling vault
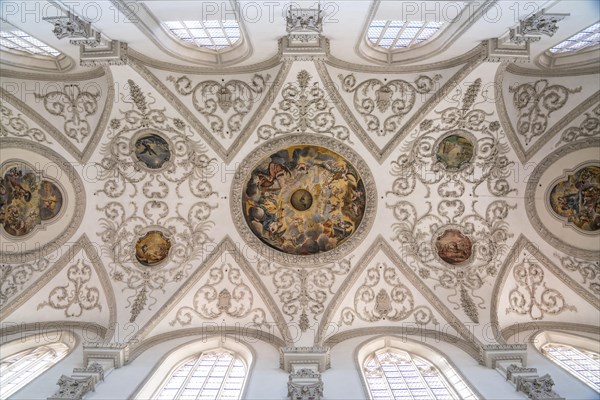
{"x": 482, "y": 183}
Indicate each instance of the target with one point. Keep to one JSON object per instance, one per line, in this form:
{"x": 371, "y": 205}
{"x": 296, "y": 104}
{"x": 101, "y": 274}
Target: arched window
{"x": 215, "y": 374}
{"x": 393, "y": 369}
{"x": 25, "y": 360}
{"x": 208, "y": 369}
{"x": 401, "y": 34}
{"x": 578, "y": 355}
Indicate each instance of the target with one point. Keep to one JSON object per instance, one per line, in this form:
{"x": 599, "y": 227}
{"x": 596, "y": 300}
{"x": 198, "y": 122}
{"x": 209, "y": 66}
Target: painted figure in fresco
{"x": 304, "y": 200}
{"x": 26, "y": 201}
{"x": 577, "y": 199}
{"x": 152, "y": 150}
{"x": 453, "y": 247}
{"x": 454, "y": 151}
{"x": 152, "y": 248}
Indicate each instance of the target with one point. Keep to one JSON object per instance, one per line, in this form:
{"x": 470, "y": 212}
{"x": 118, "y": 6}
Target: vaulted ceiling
{"x": 479, "y": 159}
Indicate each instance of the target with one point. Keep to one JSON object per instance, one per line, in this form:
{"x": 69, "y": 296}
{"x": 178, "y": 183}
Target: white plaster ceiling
{"x": 302, "y": 305}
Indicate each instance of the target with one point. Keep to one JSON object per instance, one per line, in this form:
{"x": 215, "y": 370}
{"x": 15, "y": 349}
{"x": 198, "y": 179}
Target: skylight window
{"x": 401, "y": 34}
{"x": 215, "y": 35}
{"x": 586, "y": 38}
{"x": 19, "y": 40}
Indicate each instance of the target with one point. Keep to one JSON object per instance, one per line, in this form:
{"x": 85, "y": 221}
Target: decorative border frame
{"x": 147, "y": 132}
{"x": 79, "y": 201}
{"x": 43, "y": 226}
{"x": 566, "y": 173}
{"x": 532, "y": 184}
{"x": 266, "y": 149}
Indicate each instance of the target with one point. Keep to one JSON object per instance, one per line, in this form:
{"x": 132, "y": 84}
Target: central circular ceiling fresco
{"x": 311, "y": 199}
{"x": 304, "y": 200}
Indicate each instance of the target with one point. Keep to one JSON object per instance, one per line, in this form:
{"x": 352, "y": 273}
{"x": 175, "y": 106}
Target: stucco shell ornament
{"x": 303, "y": 200}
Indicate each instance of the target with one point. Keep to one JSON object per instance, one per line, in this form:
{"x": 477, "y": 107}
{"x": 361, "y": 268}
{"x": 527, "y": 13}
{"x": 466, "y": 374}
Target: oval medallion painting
{"x": 453, "y": 247}
{"x": 152, "y": 248}
{"x": 304, "y": 200}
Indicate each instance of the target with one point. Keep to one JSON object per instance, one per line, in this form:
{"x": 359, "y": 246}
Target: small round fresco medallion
{"x": 152, "y": 248}
{"x": 152, "y": 150}
{"x": 454, "y": 151}
{"x": 304, "y": 200}
{"x": 453, "y": 247}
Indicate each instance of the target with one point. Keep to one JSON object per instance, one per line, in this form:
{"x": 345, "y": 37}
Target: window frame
{"x": 231, "y": 46}
{"x": 576, "y": 342}
{"x": 32, "y": 343}
{"x": 447, "y": 370}
{"x": 177, "y": 357}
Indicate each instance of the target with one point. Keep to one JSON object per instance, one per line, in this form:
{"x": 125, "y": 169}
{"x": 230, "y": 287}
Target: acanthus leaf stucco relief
{"x": 535, "y": 112}
{"x": 535, "y": 103}
{"x": 71, "y": 109}
{"x": 78, "y": 295}
{"x": 487, "y": 162}
{"x": 304, "y": 292}
{"x": 224, "y": 291}
{"x": 304, "y": 108}
{"x": 455, "y": 152}
{"x": 71, "y": 284}
{"x": 383, "y": 104}
{"x": 244, "y": 121}
{"x": 383, "y": 296}
{"x": 14, "y": 277}
{"x": 531, "y": 295}
{"x": 13, "y": 123}
{"x": 531, "y": 287}
{"x": 156, "y": 175}
{"x": 225, "y": 104}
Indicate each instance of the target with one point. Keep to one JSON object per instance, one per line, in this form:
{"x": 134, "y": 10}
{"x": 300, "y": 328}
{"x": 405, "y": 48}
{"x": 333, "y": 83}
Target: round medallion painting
{"x": 152, "y": 150}
{"x": 454, "y": 151}
{"x": 152, "y": 248}
{"x": 453, "y": 247}
{"x": 304, "y": 200}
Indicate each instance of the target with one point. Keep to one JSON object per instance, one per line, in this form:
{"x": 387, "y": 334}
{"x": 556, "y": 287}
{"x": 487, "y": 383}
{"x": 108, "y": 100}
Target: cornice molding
{"x": 231, "y": 333}
{"x": 64, "y": 77}
{"x": 47, "y": 327}
{"x": 523, "y": 71}
{"x": 533, "y": 328}
{"x": 194, "y": 69}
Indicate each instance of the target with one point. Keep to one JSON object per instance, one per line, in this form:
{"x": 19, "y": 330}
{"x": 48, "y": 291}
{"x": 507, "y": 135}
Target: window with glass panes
{"x": 213, "y": 34}
{"x": 401, "y": 34}
{"x": 19, "y": 40}
{"x": 395, "y": 374}
{"x": 19, "y": 369}
{"x": 586, "y": 38}
{"x": 217, "y": 374}
{"x": 585, "y": 365}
